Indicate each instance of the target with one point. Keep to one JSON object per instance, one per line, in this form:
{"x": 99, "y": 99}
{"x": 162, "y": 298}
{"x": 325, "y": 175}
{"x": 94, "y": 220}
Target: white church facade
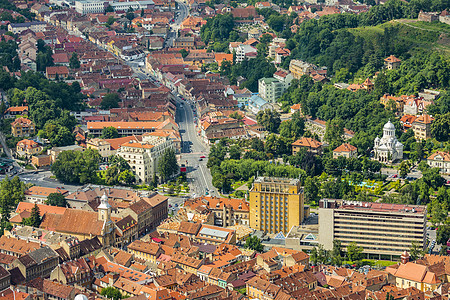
{"x": 388, "y": 148}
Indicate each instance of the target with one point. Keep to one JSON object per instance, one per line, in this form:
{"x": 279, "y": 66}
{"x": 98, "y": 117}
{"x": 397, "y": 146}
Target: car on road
{"x": 202, "y": 156}
{"x": 200, "y": 159}
{"x": 394, "y": 176}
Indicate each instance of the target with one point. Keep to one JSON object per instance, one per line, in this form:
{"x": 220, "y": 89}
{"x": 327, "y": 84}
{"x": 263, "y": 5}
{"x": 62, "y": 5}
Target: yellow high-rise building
{"x": 276, "y": 204}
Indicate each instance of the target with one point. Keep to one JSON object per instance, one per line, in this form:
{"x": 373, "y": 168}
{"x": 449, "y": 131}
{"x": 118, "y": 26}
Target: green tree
{"x": 167, "y": 165}
{"x": 440, "y": 128}
{"x": 126, "y": 177}
{"x": 56, "y": 199}
{"x": 269, "y": 119}
{"x": 334, "y": 133}
{"x": 254, "y": 243}
{"x": 110, "y": 132}
{"x": 235, "y": 152}
{"x": 109, "y": 8}
{"x": 12, "y": 191}
{"x": 110, "y": 101}
{"x": 354, "y": 252}
{"x": 76, "y": 166}
{"x": 311, "y": 190}
{"x": 35, "y": 217}
{"x": 336, "y": 253}
{"x": 111, "y": 292}
{"x": 74, "y": 62}
{"x": 404, "y": 168}
{"x": 416, "y": 251}
{"x": 184, "y": 53}
{"x": 319, "y": 255}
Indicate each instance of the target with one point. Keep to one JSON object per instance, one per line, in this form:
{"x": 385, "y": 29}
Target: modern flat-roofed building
{"x": 276, "y": 204}
{"x": 384, "y": 230}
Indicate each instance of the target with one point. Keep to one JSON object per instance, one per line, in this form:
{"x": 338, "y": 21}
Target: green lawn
{"x": 373, "y": 263}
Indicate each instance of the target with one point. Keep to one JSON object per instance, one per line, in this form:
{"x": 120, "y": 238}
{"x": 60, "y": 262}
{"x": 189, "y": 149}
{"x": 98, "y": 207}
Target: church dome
{"x": 389, "y": 126}
{"x": 104, "y": 202}
{"x": 80, "y": 297}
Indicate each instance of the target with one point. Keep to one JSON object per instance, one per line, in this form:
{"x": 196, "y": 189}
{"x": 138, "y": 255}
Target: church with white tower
{"x": 388, "y": 148}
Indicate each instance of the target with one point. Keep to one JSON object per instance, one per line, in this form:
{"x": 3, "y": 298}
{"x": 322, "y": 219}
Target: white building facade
{"x": 143, "y": 157}
{"x": 388, "y": 148}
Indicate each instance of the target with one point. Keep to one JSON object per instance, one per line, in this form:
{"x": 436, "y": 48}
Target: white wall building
{"x": 90, "y": 6}
{"x": 143, "y": 157}
{"x": 388, "y": 148}
{"x": 245, "y": 52}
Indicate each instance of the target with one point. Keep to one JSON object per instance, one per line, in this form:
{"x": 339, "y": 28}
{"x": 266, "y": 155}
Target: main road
{"x": 194, "y": 152}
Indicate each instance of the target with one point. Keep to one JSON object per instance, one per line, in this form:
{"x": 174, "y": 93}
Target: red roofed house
{"x": 416, "y": 275}
{"x": 296, "y": 107}
{"x": 422, "y": 127}
{"x": 392, "y": 62}
{"x": 28, "y": 147}
{"x": 22, "y": 127}
{"x": 345, "y": 150}
{"x": 53, "y": 72}
{"x": 13, "y": 111}
{"x": 440, "y": 160}
{"x": 309, "y": 143}
{"x": 39, "y": 194}
{"x": 61, "y": 59}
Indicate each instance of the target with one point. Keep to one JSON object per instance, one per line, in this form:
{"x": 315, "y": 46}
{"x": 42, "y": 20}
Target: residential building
{"x": 143, "y": 157}
{"x": 16, "y": 247}
{"x": 245, "y": 52}
{"x": 101, "y": 145}
{"x": 416, "y": 275}
{"x": 186, "y": 42}
{"x": 146, "y": 251}
{"x": 37, "y": 263}
{"x": 53, "y": 290}
{"x": 55, "y": 151}
{"x": 39, "y": 194}
{"x": 35, "y": 26}
{"x": 73, "y": 272}
{"x": 310, "y": 144}
{"x": 209, "y": 234}
{"x": 22, "y": 127}
{"x": 28, "y": 147}
{"x": 90, "y": 6}
{"x": 298, "y": 68}
{"x": 276, "y": 204}
{"x": 56, "y": 72}
{"x": 388, "y": 148}
{"x": 392, "y": 62}
{"x": 130, "y": 128}
{"x": 440, "y": 160}
{"x": 384, "y": 230}
{"x": 13, "y": 111}
{"x": 148, "y": 212}
{"x": 346, "y": 150}
{"x": 284, "y": 77}
{"x": 187, "y": 263}
{"x": 428, "y": 16}
{"x": 270, "y": 89}
{"x": 41, "y": 160}
{"x": 5, "y": 279}
{"x": 227, "y": 211}
{"x": 257, "y": 104}
{"x": 422, "y": 127}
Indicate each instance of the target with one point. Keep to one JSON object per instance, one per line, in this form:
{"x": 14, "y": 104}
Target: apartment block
{"x": 143, "y": 157}
{"x": 276, "y": 204}
{"x": 270, "y": 89}
{"x": 384, "y": 230}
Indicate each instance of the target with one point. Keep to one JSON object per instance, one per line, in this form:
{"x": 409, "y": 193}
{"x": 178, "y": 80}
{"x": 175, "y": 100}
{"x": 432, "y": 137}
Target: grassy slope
{"x": 433, "y": 36}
